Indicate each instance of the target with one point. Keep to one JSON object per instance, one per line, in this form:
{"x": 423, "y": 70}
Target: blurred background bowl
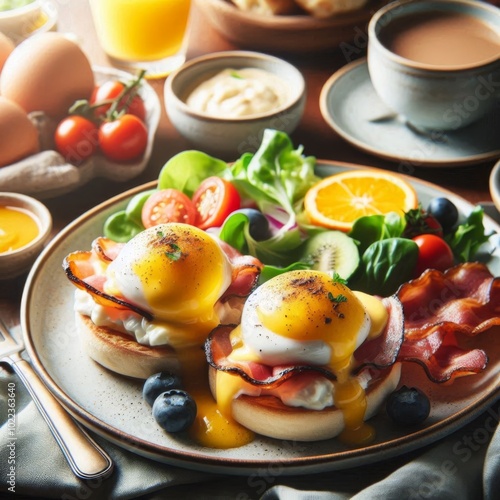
{"x": 21, "y": 22}
{"x": 13, "y": 263}
{"x": 288, "y": 33}
{"x": 228, "y": 138}
{"x": 495, "y": 185}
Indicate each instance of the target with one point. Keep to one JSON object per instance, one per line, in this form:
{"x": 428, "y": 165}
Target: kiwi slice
{"x": 331, "y": 251}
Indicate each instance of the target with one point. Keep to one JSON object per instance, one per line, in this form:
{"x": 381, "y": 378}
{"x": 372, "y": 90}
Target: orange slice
{"x": 338, "y": 200}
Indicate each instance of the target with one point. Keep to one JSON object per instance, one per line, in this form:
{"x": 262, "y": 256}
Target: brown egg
{"x": 18, "y": 135}
{"x": 6, "y": 47}
{"x": 47, "y": 72}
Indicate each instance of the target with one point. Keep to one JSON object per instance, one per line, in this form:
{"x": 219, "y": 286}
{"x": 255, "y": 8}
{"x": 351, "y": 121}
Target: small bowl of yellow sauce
{"x": 25, "y": 226}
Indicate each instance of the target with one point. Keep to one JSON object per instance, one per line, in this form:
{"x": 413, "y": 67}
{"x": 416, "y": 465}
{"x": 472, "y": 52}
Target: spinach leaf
{"x": 371, "y": 228}
{"x": 385, "y": 265}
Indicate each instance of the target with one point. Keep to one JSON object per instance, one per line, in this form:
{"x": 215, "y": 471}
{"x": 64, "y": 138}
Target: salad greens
{"x": 275, "y": 179}
{"x": 469, "y": 236}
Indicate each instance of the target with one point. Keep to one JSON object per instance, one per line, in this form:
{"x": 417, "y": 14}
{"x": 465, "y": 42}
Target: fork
{"x": 85, "y": 457}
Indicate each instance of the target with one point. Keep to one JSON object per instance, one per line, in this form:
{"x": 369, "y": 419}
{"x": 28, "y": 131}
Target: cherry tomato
{"x": 214, "y": 200}
{"x": 110, "y": 90}
{"x": 168, "y": 205}
{"x": 76, "y": 138}
{"x": 124, "y": 139}
{"x": 433, "y": 253}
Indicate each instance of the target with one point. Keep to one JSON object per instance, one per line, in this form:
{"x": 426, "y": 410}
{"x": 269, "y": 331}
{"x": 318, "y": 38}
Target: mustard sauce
{"x": 17, "y": 228}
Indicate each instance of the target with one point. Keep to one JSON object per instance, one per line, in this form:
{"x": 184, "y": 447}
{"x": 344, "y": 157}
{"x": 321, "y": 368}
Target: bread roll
{"x": 121, "y": 353}
{"x": 267, "y": 7}
{"x": 328, "y": 8}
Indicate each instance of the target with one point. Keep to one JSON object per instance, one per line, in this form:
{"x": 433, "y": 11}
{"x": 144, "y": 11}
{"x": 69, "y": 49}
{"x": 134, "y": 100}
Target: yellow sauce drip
{"x": 212, "y": 427}
{"x": 350, "y": 398}
{"x": 17, "y": 228}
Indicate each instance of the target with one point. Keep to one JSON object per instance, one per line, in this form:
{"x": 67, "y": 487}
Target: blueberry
{"x": 444, "y": 211}
{"x": 158, "y": 383}
{"x": 408, "y": 406}
{"x": 258, "y": 223}
{"x": 174, "y": 410}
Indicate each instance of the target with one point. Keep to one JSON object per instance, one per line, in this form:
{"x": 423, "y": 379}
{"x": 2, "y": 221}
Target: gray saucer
{"x": 350, "y": 105}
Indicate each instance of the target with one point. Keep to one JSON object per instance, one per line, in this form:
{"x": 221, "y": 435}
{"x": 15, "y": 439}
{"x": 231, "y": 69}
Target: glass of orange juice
{"x": 143, "y": 34}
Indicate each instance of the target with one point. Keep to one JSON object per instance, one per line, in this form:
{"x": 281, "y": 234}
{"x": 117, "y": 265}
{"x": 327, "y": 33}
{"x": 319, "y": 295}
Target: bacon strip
{"x": 84, "y": 270}
{"x": 382, "y": 351}
{"x": 218, "y": 347}
{"x": 464, "y": 300}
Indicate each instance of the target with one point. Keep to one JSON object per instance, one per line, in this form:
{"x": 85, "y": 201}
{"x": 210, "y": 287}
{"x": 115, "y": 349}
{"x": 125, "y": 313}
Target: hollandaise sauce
{"x": 213, "y": 427}
{"x": 17, "y": 228}
{"x": 350, "y": 398}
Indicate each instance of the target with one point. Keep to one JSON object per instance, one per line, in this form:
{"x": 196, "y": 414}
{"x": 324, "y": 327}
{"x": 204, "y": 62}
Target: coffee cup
{"x": 436, "y": 63}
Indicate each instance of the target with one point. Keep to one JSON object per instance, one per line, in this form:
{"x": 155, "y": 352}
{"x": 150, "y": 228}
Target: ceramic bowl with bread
{"x": 291, "y": 26}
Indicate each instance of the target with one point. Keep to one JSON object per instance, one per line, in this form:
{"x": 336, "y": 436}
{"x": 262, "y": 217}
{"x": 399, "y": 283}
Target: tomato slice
{"x": 214, "y": 200}
{"x": 168, "y": 205}
{"x": 433, "y": 253}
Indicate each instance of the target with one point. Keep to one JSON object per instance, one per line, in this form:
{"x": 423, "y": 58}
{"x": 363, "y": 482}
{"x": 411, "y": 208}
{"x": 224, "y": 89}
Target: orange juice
{"x": 141, "y": 30}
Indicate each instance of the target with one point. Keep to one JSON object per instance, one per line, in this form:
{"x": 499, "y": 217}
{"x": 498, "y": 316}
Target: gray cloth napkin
{"x": 465, "y": 465}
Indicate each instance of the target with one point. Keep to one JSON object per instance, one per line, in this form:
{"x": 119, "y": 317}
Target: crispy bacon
{"x": 438, "y": 308}
{"x": 246, "y": 272}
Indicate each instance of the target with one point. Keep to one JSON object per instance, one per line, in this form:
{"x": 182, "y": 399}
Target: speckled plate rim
{"x": 327, "y": 114}
{"x": 308, "y": 459}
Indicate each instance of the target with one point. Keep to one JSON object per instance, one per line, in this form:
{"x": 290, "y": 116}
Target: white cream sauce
{"x": 235, "y": 93}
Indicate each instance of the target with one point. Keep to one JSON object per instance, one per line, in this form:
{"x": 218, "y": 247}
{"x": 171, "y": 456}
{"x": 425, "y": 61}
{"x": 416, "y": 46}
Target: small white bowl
{"x": 22, "y": 22}
{"x": 228, "y": 138}
{"x": 495, "y": 185}
{"x": 16, "y": 262}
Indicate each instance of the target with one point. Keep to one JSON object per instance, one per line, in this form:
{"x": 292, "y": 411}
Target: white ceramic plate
{"x": 352, "y": 108}
{"x": 112, "y": 405}
{"x": 59, "y": 177}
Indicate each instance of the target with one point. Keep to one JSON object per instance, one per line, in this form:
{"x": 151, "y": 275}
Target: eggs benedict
{"x": 289, "y": 370}
{"x": 148, "y": 305}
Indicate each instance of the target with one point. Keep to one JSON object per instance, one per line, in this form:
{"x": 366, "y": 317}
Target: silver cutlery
{"x": 85, "y": 457}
